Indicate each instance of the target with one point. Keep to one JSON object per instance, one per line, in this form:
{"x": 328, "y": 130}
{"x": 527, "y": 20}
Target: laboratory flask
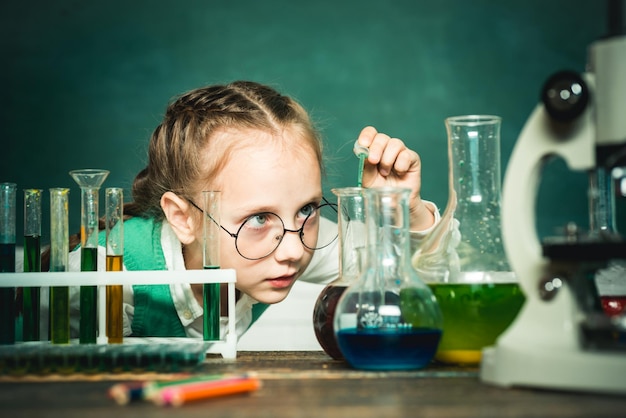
{"x": 387, "y": 319}
{"x": 352, "y": 243}
{"x": 463, "y": 259}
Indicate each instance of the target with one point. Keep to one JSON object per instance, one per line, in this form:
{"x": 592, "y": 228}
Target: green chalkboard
{"x": 85, "y": 83}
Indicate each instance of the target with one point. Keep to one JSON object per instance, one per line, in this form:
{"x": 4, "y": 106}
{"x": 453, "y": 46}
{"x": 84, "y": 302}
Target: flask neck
{"x": 388, "y": 232}
{"x": 352, "y": 232}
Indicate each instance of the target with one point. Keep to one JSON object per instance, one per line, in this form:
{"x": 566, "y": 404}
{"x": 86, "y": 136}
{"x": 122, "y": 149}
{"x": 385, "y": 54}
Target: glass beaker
{"x": 463, "y": 258}
{"x": 89, "y": 181}
{"x": 388, "y": 319}
{"x": 352, "y": 244}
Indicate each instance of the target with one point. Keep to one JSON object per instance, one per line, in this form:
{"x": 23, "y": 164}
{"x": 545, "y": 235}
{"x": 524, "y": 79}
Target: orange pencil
{"x": 180, "y": 394}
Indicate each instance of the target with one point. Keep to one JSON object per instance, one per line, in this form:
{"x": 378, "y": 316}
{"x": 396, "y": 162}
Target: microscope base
{"x": 542, "y": 350}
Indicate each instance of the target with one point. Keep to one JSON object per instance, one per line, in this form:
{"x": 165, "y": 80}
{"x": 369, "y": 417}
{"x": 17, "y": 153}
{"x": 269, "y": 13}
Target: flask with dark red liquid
{"x": 352, "y": 242}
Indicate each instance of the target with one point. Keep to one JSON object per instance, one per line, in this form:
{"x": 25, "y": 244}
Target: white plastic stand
{"x": 227, "y": 348}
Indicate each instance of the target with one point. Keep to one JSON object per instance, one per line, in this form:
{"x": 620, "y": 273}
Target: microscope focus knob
{"x": 565, "y": 96}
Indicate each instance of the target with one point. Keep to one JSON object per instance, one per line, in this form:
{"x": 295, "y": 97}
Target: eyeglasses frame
{"x": 300, "y": 231}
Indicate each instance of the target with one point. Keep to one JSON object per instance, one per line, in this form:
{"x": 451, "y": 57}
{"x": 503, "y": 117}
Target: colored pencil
{"x": 180, "y": 394}
{"x": 151, "y": 389}
{"x": 125, "y": 393}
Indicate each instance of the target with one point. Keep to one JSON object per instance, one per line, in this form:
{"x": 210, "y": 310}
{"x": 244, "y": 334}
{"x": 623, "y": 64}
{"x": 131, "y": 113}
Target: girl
{"x": 260, "y": 150}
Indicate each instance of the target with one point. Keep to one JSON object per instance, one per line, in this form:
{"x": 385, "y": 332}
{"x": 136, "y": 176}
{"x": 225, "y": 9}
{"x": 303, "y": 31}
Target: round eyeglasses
{"x": 261, "y": 234}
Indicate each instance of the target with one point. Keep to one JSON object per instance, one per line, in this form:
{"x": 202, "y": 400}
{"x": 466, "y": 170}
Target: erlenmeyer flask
{"x": 463, "y": 258}
{"x": 388, "y": 319}
{"x": 352, "y": 242}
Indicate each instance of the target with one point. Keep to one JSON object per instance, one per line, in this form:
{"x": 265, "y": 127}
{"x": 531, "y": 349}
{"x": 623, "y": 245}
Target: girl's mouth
{"x": 282, "y": 282}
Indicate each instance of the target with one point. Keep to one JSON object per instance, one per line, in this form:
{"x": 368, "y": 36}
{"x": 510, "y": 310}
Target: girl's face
{"x": 275, "y": 177}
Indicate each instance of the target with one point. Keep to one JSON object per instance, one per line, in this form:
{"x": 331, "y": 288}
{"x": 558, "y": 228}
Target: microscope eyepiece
{"x": 565, "y": 96}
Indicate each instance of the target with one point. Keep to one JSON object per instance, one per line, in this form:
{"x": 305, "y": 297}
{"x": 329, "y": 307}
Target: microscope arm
{"x": 540, "y": 139}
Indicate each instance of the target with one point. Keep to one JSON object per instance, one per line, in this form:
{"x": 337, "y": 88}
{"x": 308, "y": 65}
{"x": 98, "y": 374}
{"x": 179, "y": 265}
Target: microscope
{"x": 562, "y": 338}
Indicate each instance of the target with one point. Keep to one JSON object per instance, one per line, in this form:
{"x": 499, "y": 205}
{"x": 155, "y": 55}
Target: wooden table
{"x": 309, "y": 384}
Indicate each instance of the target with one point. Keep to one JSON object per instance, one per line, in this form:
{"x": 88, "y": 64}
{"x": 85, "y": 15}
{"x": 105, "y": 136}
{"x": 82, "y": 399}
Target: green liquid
{"x": 474, "y": 315}
{"x": 88, "y": 298}
{"x": 7, "y": 296}
{"x": 418, "y": 309}
{"x": 212, "y": 309}
{"x": 30, "y": 305}
{"x": 359, "y": 180}
{"x": 60, "y": 314}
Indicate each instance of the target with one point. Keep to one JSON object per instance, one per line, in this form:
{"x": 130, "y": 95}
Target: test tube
{"x": 211, "y": 261}
{"x": 89, "y": 181}
{"x": 32, "y": 262}
{"x": 7, "y": 261}
{"x": 59, "y": 257}
{"x": 114, "y": 204}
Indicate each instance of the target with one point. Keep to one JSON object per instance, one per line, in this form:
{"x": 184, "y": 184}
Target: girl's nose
{"x": 291, "y": 247}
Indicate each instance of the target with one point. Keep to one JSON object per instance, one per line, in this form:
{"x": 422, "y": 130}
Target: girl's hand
{"x": 390, "y": 163}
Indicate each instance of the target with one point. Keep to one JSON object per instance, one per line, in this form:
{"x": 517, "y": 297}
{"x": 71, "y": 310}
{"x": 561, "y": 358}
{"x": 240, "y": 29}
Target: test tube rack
{"x": 193, "y": 346}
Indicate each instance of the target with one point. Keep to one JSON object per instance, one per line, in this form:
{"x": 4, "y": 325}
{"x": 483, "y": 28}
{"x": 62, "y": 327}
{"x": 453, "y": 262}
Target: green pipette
{"x": 362, "y": 153}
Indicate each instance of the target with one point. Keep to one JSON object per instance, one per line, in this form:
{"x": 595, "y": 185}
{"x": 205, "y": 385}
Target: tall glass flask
{"x": 463, "y": 259}
{"x": 59, "y": 259}
{"x": 388, "y": 319}
{"x": 32, "y": 262}
{"x": 211, "y": 244}
{"x": 89, "y": 181}
{"x": 7, "y": 261}
{"x": 352, "y": 252}
{"x": 114, "y": 218}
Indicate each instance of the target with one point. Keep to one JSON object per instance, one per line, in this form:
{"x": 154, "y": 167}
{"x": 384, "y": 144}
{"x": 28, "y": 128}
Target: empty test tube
{"x": 114, "y": 204}
{"x": 32, "y": 262}
{"x": 7, "y": 261}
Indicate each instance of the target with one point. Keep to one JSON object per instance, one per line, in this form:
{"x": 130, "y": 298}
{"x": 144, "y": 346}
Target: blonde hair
{"x": 181, "y": 154}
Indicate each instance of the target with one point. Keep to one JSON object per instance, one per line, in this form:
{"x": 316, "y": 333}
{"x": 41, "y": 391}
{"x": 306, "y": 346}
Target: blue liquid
{"x": 388, "y": 350}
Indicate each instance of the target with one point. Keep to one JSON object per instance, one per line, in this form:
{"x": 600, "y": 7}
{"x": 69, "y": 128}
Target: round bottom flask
{"x": 388, "y": 319}
{"x": 351, "y": 223}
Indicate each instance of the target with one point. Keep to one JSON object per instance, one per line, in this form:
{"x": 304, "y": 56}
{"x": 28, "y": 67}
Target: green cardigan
{"x": 155, "y": 314}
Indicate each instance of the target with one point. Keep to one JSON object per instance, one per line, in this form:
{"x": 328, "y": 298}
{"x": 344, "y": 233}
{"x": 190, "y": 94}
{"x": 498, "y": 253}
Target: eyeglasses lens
{"x": 261, "y": 234}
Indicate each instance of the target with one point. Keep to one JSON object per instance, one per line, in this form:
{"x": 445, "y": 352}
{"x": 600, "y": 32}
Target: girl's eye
{"x": 308, "y": 210}
{"x": 257, "y": 221}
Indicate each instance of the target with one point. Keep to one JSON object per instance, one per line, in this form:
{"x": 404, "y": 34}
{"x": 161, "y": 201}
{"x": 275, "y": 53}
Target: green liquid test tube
{"x": 89, "y": 181}
{"x": 7, "y": 261}
{"x": 211, "y": 245}
{"x": 114, "y": 208}
{"x": 32, "y": 263}
{"x": 59, "y": 258}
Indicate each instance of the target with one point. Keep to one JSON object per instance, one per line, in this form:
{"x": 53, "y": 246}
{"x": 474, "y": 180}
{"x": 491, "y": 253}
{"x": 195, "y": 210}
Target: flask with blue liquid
{"x": 388, "y": 319}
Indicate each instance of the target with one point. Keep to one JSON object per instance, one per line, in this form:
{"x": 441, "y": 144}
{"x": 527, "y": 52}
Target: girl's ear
{"x": 178, "y": 212}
